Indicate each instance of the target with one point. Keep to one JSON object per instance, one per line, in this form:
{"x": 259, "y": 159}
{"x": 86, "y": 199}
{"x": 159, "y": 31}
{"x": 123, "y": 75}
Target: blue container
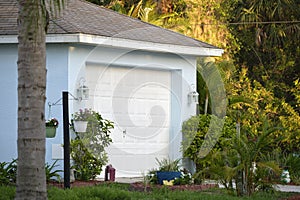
{"x": 161, "y": 176}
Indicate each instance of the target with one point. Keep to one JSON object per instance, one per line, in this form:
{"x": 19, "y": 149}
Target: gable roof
{"x": 85, "y": 22}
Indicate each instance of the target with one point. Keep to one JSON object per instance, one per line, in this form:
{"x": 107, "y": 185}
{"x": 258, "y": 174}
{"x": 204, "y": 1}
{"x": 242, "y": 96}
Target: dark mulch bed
{"x": 295, "y": 197}
{"x": 141, "y": 187}
{"x": 138, "y": 186}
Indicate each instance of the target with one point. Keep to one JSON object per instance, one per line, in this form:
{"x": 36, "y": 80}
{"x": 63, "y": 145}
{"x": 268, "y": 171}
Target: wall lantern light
{"x": 83, "y": 90}
{"x": 193, "y": 95}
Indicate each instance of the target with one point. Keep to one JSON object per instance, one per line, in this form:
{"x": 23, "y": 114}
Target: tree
{"x": 32, "y": 25}
{"x": 268, "y": 33}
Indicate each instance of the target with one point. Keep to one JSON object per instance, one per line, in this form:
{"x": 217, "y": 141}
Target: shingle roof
{"x": 83, "y": 17}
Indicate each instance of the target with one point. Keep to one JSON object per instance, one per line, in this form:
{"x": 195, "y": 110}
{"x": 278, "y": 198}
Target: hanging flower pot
{"x": 80, "y": 126}
{"x": 51, "y": 126}
{"x": 80, "y": 120}
{"x": 50, "y": 131}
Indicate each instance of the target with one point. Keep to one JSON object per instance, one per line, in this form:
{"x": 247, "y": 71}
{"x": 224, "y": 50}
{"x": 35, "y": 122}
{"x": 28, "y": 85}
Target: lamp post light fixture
{"x": 83, "y": 90}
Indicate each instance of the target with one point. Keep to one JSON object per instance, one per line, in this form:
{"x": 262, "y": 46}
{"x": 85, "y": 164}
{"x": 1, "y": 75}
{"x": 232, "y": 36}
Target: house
{"x": 139, "y": 76}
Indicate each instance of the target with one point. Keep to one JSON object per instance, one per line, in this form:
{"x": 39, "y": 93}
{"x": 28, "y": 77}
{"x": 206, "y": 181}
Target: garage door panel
{"x": 138, "y": 102}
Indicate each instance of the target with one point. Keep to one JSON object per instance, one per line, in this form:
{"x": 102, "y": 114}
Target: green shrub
{"x": 293, "y": 164}
{"x": 86, "y": 165}
{"x": 167, "y": 164}
{"x": 8, "y": 172}
{"x": 185, "y": 179}
{"x": 194, "y": 132}
{"x": 88, "y": 149}
{"x": 50, "y": 174}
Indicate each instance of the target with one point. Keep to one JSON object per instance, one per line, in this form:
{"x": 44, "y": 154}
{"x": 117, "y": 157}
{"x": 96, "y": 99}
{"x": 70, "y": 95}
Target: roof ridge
{"x": 54, "y": 22}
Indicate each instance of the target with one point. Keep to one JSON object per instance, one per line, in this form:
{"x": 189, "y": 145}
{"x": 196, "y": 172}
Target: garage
{"x": 138, "y": 101}
{"x": 139, "y": 76}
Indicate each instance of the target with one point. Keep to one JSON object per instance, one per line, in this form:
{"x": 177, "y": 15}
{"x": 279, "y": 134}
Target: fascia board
{"x": 122, "y": 43}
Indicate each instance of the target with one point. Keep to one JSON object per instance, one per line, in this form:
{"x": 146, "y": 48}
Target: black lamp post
{"x": 65, "y": 105}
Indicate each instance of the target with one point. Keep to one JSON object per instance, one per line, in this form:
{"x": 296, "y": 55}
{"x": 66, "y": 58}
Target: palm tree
{"x": 211, "y": 87}
{"x": 238, "y": 160}
{"x": 268, "y": 11}
{"x": 32, "y": 20}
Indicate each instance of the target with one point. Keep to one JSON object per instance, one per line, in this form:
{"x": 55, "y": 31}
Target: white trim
{"x": 122, "y": 43}
{"x": 8, "y": 39}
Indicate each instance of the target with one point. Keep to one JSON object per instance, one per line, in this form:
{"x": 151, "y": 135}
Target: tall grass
{"x": 122, "y": 192}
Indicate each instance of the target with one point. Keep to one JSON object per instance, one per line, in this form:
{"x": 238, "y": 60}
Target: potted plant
{"x": 51, "y": 126}
{"x": 88, "y": 149}
{"x": 80, "y": 120}
{"x": 168, "y": 170}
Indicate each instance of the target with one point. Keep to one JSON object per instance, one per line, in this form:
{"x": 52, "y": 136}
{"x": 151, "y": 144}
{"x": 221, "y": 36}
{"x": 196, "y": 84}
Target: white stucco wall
{"x": 57, "y": 69}
{"x": 57, "y": 82}
{"x": 8, "y": 102}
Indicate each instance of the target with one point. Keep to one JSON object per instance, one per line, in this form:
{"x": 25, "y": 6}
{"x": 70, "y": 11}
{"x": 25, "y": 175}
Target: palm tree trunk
{"x": 206, "y": 103}
{"x": 31, "y": 178}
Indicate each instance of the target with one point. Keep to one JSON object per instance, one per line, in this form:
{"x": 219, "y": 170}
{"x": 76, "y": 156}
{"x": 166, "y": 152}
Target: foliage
{"x": 88, "y": 149}
{"x": 293, "y": 165}
{"x": 105, "y": 193}
{"x": 207, "y": 22}
{"x": 86, "y": 165}
{"x": 167, "y": 164}
{"x": 151, "y": 177}
{"x": 210, "y": 86}
{"x": 250, "y": 100}
{"x": 243, "y": 161}
{"x": 52, "y": 122}
{"x": 185, "y": 179}
{"x": 290, "y": 161}
{"x": 8, "y": 172}
{"x": 7, "y": 192}
{"x": 51, "y": 173}
{"x": 122, "y": 191}
{"x": 194, "y": 131}
{"x": 82, "y": 115}
{"x": 269, "y": 42}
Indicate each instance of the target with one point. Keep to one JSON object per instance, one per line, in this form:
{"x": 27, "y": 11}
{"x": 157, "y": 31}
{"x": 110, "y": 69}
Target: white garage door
{"x": 138, "y": 102}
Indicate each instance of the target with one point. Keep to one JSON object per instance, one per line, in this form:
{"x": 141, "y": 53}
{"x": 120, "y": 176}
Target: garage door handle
{"x": 124, "y": 133}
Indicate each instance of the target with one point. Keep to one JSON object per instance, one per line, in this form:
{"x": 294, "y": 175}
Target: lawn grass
{"x": 122, "y": 192}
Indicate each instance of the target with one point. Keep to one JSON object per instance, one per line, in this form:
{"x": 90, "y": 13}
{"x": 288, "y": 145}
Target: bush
{"x": 8, "y": 172}
{"x": 293, "y": 164}
{"x": 88, "y": 149}
{"x": 86, "y": 165}
{"x": 185, "y": 179}
{"x": 50, "y": 173}
{"x": 194, "y": 132}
